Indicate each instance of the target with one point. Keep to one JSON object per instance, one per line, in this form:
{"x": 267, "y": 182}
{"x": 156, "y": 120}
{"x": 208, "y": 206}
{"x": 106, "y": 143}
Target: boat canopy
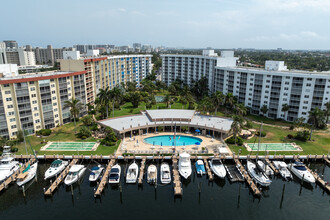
{"x": 57, "y": 162}
{"x": 216, "y": 162}
{"x": 76, "y": 168}
{"x": 114, "y": 170}
{"x": 95, "y": 168}
{"x": 152, "y": 168}
{"x": 27, "y": 168}
{"x": 302, "y": 168}
{"x": 200, "y": 162}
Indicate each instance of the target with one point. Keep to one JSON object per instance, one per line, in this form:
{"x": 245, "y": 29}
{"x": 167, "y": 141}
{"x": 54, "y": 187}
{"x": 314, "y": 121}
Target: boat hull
{"x": 132, "y": 173}
{"x": 52, "y": 172}
{"x": 261, "y": 179}
{"x": 31, "y": 174}
{"x": 305, "y": 176}
{"x": 165, "y": 174}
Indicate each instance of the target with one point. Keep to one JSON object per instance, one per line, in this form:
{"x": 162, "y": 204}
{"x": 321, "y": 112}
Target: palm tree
{"x": 168, "y": 99}
{"x": 218, "y": 99}
{"x": 316, "y": 117}
{"x": 285, "y": 108}
{"x": 264, "y": 109}
{"x": 104, "y": 96}
{"x": 327, "y": 112}
{"x": 75, "y": 106}
{"x": 236, "y": 126}
{"x": 300, "y": 122}
{"x": 205, "y": 104}
{"x": 240, "y": 109}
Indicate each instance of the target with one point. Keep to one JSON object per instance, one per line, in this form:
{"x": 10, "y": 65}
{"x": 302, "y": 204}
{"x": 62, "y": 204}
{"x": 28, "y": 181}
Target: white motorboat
{"x": 283, "y": 169}
{"x": 114, "y": 176}
{"x": 8, "y": 166}
{"x": 75, "y": 173}
{"x": 185, "y": 165}
{"x": 165, "y": 173}
{"x": 55, "y": 168}
{"x": 258, "y": 175}
{"x": 299, "y": 169}
{"x": 152, "y": 174}
{"x": 96, "y": 173}
{"x": 265, "y": 168}
{"x": 132, "y": 173}
{"x": 28, "y": 174}
{"x": 218, "y": 168}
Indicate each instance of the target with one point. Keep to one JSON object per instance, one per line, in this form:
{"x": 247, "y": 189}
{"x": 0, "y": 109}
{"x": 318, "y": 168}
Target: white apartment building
{"x": 274, "y": 86}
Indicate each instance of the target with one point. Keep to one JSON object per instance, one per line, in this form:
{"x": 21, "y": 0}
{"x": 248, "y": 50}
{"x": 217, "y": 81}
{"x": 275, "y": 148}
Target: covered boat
{"x": 152, "y": 174}
{"x": 8, "y": 166}
{"x": 200, "y": 168}
{"x": 114, "y": 176}
{"x": 27, "y": 175}
{"x": 165, "y": 173}
{"x": 96, "y": 173}
{"x": 299, "y": 169}
{"x": 218, "y": 168}
{"x": 265, "y": 167}
{"x": 283, "y": 169}
{"x": 75, "y": 173}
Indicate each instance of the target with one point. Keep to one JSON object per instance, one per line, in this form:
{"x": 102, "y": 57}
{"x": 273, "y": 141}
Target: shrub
{"x": 302, "y": 135}
{"x": 14, "y": 149}
{"x": 291, "y": 127}
{"x": 248, "y": 124}
{"x": 263, "y": 134}
{"x": 87, "y": 120}
{"x": 290, "y": 136}
{"x": 44, "y": 132}
{"x": 231, "y": 140}
{"x": 84, "y": 133}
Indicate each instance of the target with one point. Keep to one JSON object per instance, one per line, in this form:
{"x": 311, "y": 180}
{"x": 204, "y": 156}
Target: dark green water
{"x": 218, "y": 200}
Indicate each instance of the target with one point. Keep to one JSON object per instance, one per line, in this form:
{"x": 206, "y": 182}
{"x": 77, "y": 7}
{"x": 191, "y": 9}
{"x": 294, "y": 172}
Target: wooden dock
{"x": 208, "y": 170}
{"x": 327, "y": 160}
{"x": 176, "y": 178}
{"x": 60, "y": 178}
{"x": 104, "y": 179}
{"x": 13, "y": 177}
{"x": 143, "y": 162}
{"x": 318, "y": 179}
{"x": 271, "y": 165}
{"x": 248, "y": 179}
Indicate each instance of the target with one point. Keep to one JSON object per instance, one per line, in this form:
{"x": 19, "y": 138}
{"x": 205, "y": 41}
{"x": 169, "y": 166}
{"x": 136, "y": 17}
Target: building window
{"x": 35, "y": 109}
{"x": 305, "y": 102}
{"x": 308, "y": 84}
{"x": 267, "y": 86}
{"x": 38, "y": 127}
{"x": 306, "y": 96}
{"x": 287, "y": 77}
{"x": 32, "y": 83}
{"x": 55, "y": 109}
{"x": 53, "y": 85}
{"x": 54, "y": 104}
{"x": 54, "y": 98}
{"x": 309, "y": 79}
{"x": 287, "y": 83}
{"x": 12, "y": 120}
{"x": 13, "y": 126}
{"x": 285, "y": 99}
{"x": 303, "y": 113}
{"x": 10, "y": 106}
{"x": 7, "y": 92}
{"x": 36, "y": 114}
{"x": 286, "y": 88}
{"x": 6, "y": 85}
{"x": 267, "y": 91}
{"x": 305, "y": 107}
{"x": 37, "y": 121}
{"x": 53, "y": 92}
{"x": 267, "y": 81}
{"x": 8, "y": 99}
{"x": 56, "y": 116}
{"x": 11, "y": 113}
{"x": 33, "y": 95}
{"x": 32, "y": 89}
{"x": 34, "y": 102}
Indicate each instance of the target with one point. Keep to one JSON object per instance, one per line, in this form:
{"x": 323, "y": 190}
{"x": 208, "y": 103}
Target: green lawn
{"x": 268, "y": 120}
{"x": 62, "y": 134}
{"x": 319, "y": 145}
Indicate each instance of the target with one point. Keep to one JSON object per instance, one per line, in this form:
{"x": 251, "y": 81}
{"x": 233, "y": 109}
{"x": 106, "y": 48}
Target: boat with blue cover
{"x": 55, "y": 168}
{"x": 96, "y": 173}
{"x": 200, "y": 168}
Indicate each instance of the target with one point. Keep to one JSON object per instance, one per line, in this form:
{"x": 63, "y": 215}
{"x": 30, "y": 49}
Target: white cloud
{"x": 122, "y": 9}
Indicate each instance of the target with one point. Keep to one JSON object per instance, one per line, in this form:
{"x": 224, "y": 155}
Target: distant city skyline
{"x": 260, "y": 24}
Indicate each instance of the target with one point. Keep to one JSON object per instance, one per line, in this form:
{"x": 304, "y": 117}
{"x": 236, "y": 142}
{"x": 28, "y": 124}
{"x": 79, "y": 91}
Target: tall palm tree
{"x": 316, "y": 117}
{"x": 300, "y": 122}
{"x": 240, "y": 109}
{"x": 218, "y": 99}
{"x": 236, "y": 126}
{"x": 285, "y": 109}
{"x": 104, "y": 96}
{"x": 75, "y": 106}
{"x": 327, "y": 112}
{"x": 205, "y": 104}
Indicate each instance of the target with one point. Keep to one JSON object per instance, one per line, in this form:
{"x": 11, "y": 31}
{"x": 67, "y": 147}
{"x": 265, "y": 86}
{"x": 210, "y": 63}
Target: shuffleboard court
{"x": 272, "y": 147}
{"x": 70, "y": 146}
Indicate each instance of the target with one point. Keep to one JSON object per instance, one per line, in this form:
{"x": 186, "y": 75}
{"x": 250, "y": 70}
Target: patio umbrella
{"x": 161, "y": 143}
{"x": 197, "y": 130}
{"x": 198, "y": 143}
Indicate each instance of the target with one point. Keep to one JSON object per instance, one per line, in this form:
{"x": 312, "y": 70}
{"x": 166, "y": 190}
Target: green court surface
{"x": 71, "y": 146}
{"x": 272, "y": 147}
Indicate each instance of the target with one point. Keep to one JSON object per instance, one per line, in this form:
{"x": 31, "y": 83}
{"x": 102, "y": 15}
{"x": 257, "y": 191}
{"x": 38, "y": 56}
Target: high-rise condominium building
{"x": 49, "y": 55}
{"x": 273, "y": 86}
{"x": 11, "y": 43}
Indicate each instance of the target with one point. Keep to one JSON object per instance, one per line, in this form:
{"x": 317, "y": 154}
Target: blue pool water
{"x": 167, "y": 140}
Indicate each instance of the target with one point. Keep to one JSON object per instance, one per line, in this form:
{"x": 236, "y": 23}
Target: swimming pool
{"x": 168, "y": 140}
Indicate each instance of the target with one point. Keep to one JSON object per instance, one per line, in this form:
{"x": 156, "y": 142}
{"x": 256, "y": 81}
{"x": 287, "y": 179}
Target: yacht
{"x": 258, "y": 175}
{"x": 8, "y": 166}
{"x": 263, "y": 165}
{"x": 75, "y": 173}
{"x": 114, "y": 176}
{"x": 28, "y": 174}
{"x": 200, "y": 168}
{"x": 283, "y": 169}
{"x": 185, "y": 165}
{"x": 165, "y": 173}
{"x": 96, "y": 173}
{"x": 132, "y": 173}
{"x": 299, "y": 169}
{"x": 218, "y": 168}
{"x": 55, "y": 168}
{"x": 152, "y": 174}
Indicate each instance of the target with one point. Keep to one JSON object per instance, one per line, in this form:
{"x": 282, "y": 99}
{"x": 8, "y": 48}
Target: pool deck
{"x": 136, "y": 145}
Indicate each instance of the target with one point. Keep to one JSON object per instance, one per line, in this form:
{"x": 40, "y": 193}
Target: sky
{"x": 262, "y": 24}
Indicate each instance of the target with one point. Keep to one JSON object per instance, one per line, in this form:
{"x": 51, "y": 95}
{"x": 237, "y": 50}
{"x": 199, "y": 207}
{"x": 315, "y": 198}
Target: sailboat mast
{"x": 259, "y": 137}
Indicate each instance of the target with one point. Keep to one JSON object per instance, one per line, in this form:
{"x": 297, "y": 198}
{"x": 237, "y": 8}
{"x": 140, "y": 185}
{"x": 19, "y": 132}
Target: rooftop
{"x": 132, "y": 122}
